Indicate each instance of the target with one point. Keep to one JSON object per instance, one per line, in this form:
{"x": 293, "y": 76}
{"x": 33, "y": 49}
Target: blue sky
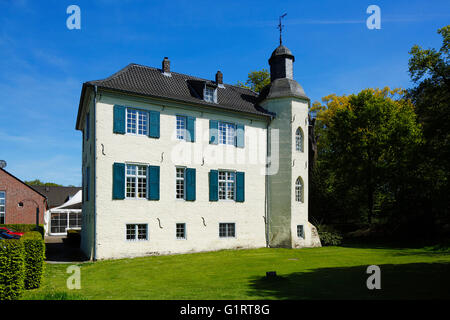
{"x": 43, "y": 64}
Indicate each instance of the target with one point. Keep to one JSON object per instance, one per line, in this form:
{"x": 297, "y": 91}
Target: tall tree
{"x": 365, "y": 142}
{"x": 256, "y": 80}
{"x": 430, "y": 71}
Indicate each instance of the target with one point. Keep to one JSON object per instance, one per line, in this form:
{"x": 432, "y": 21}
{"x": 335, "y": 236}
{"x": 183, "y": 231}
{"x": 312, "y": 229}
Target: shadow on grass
{"x": 401, "y": 281}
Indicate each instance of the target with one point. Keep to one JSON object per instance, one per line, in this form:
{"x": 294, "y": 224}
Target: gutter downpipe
{"x": 267, "y": 184}
{"x": 95, "y": 173}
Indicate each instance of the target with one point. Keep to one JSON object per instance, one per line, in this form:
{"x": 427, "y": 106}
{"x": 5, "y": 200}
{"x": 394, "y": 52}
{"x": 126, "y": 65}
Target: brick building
{"x": 18, "y": 201}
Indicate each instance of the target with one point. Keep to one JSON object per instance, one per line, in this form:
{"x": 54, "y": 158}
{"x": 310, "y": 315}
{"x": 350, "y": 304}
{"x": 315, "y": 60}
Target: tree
{"x": 256, "y": 80}
{"x": 366, "y": 142}
{"x": 37, "y": 182}
{"x": 430, "y": 71}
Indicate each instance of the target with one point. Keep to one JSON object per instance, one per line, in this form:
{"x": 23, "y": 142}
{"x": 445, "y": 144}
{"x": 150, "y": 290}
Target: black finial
{"x": 280, "y": 27}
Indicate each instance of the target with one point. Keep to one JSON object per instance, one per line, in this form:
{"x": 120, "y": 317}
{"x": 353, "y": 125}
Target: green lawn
{"x": 316, "y": 273}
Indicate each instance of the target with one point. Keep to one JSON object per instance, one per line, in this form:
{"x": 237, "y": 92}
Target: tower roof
{"x": 281, "y": 51}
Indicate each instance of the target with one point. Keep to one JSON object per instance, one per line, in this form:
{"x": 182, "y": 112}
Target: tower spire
{"x": 280, "y": 27}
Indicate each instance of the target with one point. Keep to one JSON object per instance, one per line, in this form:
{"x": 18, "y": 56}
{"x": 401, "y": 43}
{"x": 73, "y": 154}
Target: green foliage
{"x": 366, "y": 143}
{"x": 25, "y": 227}
{"x": 38, "y": 182}
{"x": 12, "y": 269}
{"x": 34, "y": 259}
{"x": 256, "y": 80}
{"x": 329, "y": 236}
{"x": 430, "y": 70}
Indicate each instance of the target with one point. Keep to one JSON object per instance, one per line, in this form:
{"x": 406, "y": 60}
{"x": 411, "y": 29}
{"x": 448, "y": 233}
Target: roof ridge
{"x": 184, "y": 74}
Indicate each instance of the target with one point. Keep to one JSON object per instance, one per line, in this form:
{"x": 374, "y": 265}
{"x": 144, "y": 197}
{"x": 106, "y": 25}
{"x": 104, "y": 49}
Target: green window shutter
{"x": 240, "y": 186}
{"x": 153, "y": 183}
{"x": 190, "y": 184}
{"x": 240, "y": 136}
{"x": 154, "y": 124}
{"x": 119, "y": 119}
{"x": 213, "y": 131}
{"x": 190, "y": 129}
{"x": 213, "y": 185}
{"x": 119, "y": 181}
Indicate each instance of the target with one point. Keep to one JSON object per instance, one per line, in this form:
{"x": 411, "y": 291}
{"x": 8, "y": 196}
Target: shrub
{"x": 34, "y": 247}
{"x": 329, "y": 236}
{"x": 25, "y": 227}
{"x": 73, "y": 238}
{"x": 12, "y": 267}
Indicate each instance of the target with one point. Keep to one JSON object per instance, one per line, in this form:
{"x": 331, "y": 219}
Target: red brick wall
{"x": 17, "y": 192}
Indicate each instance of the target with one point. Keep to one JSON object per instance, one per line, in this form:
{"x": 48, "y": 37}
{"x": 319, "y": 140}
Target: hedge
{"x": 73, "y": 238}
{"x": 12, "y": 269}
{"x": 34, "y": 247}
{"x": 25, "y": 227}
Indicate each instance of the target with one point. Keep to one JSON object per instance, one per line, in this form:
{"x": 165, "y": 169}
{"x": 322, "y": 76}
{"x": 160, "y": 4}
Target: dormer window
{"x": 209, "y": 94}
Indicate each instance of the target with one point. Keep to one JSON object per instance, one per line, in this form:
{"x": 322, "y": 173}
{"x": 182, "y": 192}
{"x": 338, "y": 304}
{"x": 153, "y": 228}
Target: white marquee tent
{"x": 67, "y": 216}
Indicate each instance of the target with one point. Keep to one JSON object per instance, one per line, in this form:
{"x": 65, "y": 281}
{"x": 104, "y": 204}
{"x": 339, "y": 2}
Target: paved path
{"x": 57, "y": 251}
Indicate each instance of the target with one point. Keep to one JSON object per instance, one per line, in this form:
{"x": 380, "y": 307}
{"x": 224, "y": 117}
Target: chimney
{"x": 219, "y": 77}
{"x": 166, "y": 65}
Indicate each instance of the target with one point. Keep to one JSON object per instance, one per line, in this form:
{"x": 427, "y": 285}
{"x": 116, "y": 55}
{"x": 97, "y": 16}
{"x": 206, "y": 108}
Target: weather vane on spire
{"x": 280, "y": 27}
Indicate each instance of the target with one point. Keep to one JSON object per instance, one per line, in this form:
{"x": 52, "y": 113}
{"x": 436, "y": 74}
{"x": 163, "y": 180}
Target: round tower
{"x": 287, "y": 180}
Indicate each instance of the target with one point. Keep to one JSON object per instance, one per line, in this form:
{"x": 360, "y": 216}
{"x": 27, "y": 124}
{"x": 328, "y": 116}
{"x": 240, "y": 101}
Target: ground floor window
{"x": 181, "y": 231}
{"x": 300, "y": 232}
{"x": 227, "y": 230}
{"x": 61, "y": 221}
{"x": 137, "y": 232}
{"x": 2, "y": 206}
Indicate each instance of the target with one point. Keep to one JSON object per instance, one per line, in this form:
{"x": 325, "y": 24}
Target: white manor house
{"x": 173, "y": 163}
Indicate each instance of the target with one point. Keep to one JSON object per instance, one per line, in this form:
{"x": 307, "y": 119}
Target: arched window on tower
{"x": 299, "y": 190}
{"x": 299, "y": 140}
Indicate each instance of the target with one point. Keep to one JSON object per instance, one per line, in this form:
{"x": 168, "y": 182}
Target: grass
{"x": 310, "y": 273}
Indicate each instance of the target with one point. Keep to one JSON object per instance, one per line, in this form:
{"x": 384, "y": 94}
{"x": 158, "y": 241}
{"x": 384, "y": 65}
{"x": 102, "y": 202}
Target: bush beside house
{"x": 12, "y": 269}
{"x": 21, "y": 264}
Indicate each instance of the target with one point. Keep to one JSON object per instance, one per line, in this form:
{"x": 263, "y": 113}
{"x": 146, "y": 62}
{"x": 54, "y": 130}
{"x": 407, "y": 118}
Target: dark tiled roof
{"x": 56, "y": 196}
{"x": 152, "y": 82}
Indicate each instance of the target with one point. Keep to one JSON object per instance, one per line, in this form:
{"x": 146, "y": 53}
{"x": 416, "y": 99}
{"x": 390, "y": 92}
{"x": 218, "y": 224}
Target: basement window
{"x": 300, "y": 231}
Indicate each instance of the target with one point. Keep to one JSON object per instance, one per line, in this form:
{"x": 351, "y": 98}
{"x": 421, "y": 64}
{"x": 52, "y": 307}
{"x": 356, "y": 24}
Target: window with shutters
{"x": 137, "y": 122}
{"x": 227, "y": 185}
{"x": 136, "y": 232}
{"x": 181, "y": 128}
{"x": 136, "y": 181}
{"x": 227, "y": 133}
{"x": 180, "y": 183}
{"x": 227, "y": 230}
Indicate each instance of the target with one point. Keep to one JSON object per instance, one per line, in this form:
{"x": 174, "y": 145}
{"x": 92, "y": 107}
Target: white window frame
{"x": 136, "y": 231}
{"x": 3, "y": 211}
{"x": 299, "y": 190}
{"x": 209, "y": 94}
{"x": 228, "y": 175}
{"x": 227, "y": 230}
{"x": 136, "y": 176}
{"x": 140, "y": 129}
{"x": 179, "y": 179}
{"x": 227, "y": 133}
{"x": 184, "y": 231}
{"x": 299, "y": 140}
{"x": 181, "y": 127}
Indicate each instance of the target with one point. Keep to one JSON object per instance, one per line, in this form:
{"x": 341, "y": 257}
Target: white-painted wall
{"x": 111, "y": 216}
